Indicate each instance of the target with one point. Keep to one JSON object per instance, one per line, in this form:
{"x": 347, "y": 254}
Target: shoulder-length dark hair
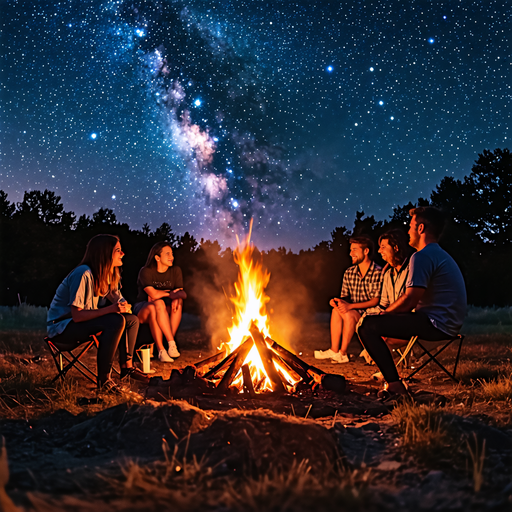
{"x": 98, "y": 257}
{"x": 156, "y": 250}
{"x": 398, "y": 240}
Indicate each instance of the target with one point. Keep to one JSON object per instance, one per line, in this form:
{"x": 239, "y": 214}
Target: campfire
{"x": 251, "y": 361}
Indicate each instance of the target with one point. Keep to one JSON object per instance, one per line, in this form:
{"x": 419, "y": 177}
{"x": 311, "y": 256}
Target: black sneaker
{"x": 134, "y": 374}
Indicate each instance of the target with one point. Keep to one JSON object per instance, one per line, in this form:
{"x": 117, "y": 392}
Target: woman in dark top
{"x": 160, "y": 299}
{"x": 89, "y": 301}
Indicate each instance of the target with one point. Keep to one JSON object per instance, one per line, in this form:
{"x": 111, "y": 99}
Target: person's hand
{"x": 177, "y": 290}
{"x": 343, "y": 306}
{"x": 121, "y": 306}
{"x": 175, "y": 305}
{"x": 333, "y": 303}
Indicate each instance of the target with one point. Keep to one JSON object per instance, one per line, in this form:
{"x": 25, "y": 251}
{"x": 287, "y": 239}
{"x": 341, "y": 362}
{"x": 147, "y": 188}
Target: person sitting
{"x": 395, "y": 251}
{"x": 435, "y": 290}
{"x": 160, "y": 299}
{"x": 360, "y": 290}
{"x": 79, "y": 310}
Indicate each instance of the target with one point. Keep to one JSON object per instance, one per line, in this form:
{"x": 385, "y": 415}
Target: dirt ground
{"x": 313, "y": 451}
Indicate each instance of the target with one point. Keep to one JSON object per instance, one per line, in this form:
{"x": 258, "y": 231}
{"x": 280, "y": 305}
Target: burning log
{"x": 210, "y": 360}
{"x": 235, "y": 366}
{"x": 225, "y": 362}
{"x": 297, "y": 364}
{"x": 283, "y": 364}
{"x": 266, "y": 359}
{"x": 248, "y": 385}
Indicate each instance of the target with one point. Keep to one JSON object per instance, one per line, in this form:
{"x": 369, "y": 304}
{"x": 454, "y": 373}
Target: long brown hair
{"x": 156, "y": 250}
{"x": 397, "y": 239}
{"x": 98, "y": 257}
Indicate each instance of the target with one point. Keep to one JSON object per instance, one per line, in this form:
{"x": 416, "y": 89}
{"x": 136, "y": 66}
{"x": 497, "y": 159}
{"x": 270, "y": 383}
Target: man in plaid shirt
{"x": 360, "y": 291}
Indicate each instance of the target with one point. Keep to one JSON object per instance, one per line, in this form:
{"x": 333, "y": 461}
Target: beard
{"x": 356, "y": 260}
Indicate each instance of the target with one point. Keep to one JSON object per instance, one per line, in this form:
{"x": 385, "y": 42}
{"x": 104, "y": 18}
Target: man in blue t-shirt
{"x": 435, "y": 290}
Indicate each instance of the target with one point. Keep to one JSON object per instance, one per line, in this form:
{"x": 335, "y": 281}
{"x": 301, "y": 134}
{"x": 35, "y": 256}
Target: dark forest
{"x": 41, "y": 243}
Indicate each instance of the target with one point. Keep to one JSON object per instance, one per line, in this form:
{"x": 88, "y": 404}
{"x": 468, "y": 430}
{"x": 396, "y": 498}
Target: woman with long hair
{"x": 160, "y": 299}
{"x": 89, "y": 301}
{"x": 395, "y": 251}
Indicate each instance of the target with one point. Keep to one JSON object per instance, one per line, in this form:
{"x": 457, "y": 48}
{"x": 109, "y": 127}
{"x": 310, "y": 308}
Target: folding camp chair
{"x": 72, "y": 355}
{"x": 441, "y": 346}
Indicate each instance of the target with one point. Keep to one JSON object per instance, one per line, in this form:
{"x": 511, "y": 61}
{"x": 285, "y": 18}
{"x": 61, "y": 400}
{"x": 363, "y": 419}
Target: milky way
{"x": 204, "y": 114}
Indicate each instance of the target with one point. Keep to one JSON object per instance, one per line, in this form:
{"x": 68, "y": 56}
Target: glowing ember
{"x": 250, "y": 302}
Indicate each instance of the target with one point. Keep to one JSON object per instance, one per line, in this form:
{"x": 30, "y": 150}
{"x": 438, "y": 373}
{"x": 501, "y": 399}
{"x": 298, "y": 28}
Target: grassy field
{"x": 68, "y": 450}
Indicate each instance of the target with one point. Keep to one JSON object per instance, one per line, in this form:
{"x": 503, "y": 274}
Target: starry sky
{"x": 204, "y": 114}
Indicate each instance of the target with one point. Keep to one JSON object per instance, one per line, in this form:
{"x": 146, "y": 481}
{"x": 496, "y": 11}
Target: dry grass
{"x": 195, "y": 485}
{"x": 426, "y": 431}
{"x": 498, "y": 389}
{"x": 477, "y": 455}
{"x": 488, "y": 321}
{"x": 470, "y": 371}
{"x": 27, "y": 391}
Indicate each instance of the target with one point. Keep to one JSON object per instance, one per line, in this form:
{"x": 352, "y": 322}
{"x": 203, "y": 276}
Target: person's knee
{"x": 131, "y": 320}
{"x": 150, "y": 311}
{"x": 159, "y": 305}
{"x": 335, "y": 315}
{"x": 178, "y": 307}
{"x": 117, "y": 322}
{"x": 364, "y": 326}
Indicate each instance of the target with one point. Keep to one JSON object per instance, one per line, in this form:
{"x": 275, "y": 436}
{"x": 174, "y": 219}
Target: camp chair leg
{"x": 433, "y": 357}
{"x": 461, "y": 339}
{"x": 72, "y": 360}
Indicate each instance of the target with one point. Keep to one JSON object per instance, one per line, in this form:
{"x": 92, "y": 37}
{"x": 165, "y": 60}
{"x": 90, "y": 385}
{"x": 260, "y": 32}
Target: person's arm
{"x": 82, "y": 315}
{"x": 343, "y": 306}
{"x": 407, "y": 302}
{"x": 155, "y": 294}
{"x": 179, "y": 293}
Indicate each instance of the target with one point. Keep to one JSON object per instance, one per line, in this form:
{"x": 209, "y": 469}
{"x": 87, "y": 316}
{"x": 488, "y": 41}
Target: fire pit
{"x": 251, "y": 362}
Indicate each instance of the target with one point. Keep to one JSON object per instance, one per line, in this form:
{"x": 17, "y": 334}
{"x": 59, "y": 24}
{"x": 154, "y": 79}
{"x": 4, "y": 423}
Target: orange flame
{"x": 250, "y": 303}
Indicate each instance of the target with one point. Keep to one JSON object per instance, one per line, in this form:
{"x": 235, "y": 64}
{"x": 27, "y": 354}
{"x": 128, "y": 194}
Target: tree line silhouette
{"x": 41, "y": 243}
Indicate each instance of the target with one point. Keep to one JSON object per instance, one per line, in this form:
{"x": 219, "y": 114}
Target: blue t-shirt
{"x": 444, "y": 300}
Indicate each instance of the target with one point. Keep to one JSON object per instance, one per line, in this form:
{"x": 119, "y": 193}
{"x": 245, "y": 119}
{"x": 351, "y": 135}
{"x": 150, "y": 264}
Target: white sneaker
{"x": 173, "y": 349}
{"x": 164, "y": 357}
{"x": 324, "y": 354}
{"x": 340, "y": 358}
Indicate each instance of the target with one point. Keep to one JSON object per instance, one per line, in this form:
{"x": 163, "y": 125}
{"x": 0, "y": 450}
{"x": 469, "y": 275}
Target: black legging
{"x": 117, "y": 330}
{"x": 402, "y": 326}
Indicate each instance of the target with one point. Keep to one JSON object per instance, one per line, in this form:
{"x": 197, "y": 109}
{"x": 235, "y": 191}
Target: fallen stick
{"x": 235, "y": 366}
{"x": 266, "y": 359}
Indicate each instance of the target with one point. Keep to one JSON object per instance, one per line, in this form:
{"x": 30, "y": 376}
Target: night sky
{"x": 204, "y": 114}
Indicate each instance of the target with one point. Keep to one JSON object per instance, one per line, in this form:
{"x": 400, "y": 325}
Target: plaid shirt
{"x": 362, "y": 289}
